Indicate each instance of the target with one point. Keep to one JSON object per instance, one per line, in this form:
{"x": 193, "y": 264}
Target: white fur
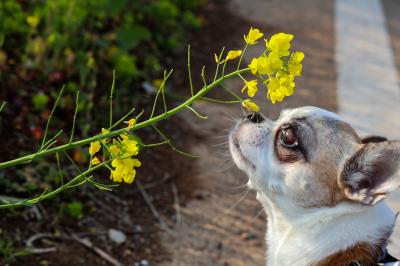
{"x": 297, "y": 236}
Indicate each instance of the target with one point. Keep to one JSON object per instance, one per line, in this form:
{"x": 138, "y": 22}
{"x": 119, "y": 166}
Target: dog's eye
{"x": 288, "y": 138}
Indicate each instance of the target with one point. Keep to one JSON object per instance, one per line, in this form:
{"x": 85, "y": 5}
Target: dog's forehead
{"x": 308, "y": 112}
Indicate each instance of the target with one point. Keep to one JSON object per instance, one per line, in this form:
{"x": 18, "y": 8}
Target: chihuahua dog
{"x": 321, "y": 186}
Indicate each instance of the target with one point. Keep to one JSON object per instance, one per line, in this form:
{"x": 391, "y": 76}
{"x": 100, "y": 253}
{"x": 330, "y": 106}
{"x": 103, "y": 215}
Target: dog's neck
{"x": 298, "y": 236}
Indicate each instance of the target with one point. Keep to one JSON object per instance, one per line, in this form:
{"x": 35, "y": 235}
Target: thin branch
{"x": 59, "y": 169}
{"x": 232, "y": 93}
{"x": 176, "y": 204}
{"x": 219, "y": 60}
{"x": 88, "y": 244}
{"x": 72, "y": 162}
{"x": 219, "y": 101}
{"x": 154, "y": 104}
{"x": 196, "y": 113}
{"x": 203, "y": 76}
{"x": 241, "y": 57}
{"x": 156, "y": 144}
{"x": 172, "y": 146}
{"x": 151, "y": 206}
{"x": 51, "y": 141}
{"x": 111, "y": 98}
{"x": 2, "y": 106}
{"x": 164, "y": 101}
{"x": 223, "y": 69}
{"x": 75, "y": 115}
{"x": 51, "y": 115}
{"x": 123, "y": 118}
{"x": 189, "y": 72}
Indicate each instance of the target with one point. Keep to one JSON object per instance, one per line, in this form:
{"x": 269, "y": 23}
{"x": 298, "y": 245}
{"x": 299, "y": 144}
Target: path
{"x": 214, "y": 233}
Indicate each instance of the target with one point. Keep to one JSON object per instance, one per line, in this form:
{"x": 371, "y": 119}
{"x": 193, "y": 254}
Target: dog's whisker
{"x": 226, "y": 143}
{"x": 227, "y": 211}
{"x": 222, "y": 136}
{"x": 259, "y": 213}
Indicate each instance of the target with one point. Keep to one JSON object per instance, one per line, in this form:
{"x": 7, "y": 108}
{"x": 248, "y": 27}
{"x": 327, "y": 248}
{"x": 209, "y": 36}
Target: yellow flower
{"x": 294, "y": 65}
{"x": 33, "y": 21}
{"x": 251, "y": 87}
{"x": 280, "y": 43}
{"x": 157, "y": 83}
{"x": 129, "y": 146}
{"x": 114, "y": 150}
{"x": 124, "y": 169}
{"x": 253, "y": 36}
{"x": 269, "y": 65}
{"x": 263, "y": 66}
{"x": 95, "y": 161}
{"x": 131, "y": 122}
{"x": 249, "y": 105}
{"x": 254, "y": 66}
{"x": 287, "y": 83}
{"x": 280, "y": 87}
{"x": 136, "y": 163}
{"x": 104, "y": 131}
{"x": 233, "y": 54}
{"x": 94, "y": 147}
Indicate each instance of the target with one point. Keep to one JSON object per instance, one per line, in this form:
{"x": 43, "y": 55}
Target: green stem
{"x": 2, "y": 106}
{"x": 219, "y": 101}
{"x": 111, "y": 99}
{"x": 219, "y": 60}
{"x": 75, "y": 115}
{"x": 241, "y": 57}
{"x": 189, "y": 72}
{"x": 232, "y": 93}
{"x": 114, "y": 133}
{"x": 51, "y": 115}
{"x": 45, "y": 195}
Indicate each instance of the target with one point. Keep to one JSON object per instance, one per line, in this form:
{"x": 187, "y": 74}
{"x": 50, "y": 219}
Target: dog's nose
{"x": 255, "y": 117}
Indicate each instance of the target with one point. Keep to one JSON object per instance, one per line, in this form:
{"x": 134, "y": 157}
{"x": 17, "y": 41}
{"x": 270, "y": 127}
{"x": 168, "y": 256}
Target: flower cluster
{"x": 277, "y": 68}
{"x": 121, "y": 151}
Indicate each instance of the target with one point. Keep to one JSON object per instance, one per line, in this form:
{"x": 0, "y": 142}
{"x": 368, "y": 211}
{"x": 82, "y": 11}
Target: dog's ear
{"x": 372, "y": 172}
{"x": 373, "y": 139}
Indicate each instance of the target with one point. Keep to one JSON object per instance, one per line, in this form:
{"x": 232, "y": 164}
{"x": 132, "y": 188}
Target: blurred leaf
{"x": 40, "y": 101}
{"x": 131, "y": 36}
{"x": 164, "y": 10}
{"x": 74, "y": 209}
{"x": 125, "y": 64}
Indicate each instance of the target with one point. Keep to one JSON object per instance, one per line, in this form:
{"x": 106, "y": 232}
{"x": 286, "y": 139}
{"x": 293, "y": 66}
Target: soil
{"x": 223, "y": 224}
{"x": 217, "y": 221}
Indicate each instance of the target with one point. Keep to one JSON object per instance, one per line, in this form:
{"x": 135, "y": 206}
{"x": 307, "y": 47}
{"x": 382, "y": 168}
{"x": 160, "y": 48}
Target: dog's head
{"x": 313, "y": 158}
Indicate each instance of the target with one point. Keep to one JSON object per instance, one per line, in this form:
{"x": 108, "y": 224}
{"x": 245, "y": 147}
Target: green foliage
{"x": 46, "y": 43}
{"x": 8, "y": 251}
{"x": 74, "y": 209}
{"x": 87, "y": 37}
{"x": 40, "y": 101}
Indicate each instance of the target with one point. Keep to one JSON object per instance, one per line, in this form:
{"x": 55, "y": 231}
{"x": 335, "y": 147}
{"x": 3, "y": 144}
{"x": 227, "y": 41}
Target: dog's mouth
{"x": 238, "y": 152}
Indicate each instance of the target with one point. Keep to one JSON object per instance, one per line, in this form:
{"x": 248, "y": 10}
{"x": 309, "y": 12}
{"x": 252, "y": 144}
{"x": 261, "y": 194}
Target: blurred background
{"x": 184, "y": 211}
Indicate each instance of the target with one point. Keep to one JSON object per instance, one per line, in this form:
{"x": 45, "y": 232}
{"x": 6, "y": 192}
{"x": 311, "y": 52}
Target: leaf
{"x": 40, "y": 101}
{"x": 129, "y": 36}
{"x": 74, "y": 209}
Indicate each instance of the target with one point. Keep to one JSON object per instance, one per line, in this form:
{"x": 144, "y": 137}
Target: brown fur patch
{"x": 364, "y": 253}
